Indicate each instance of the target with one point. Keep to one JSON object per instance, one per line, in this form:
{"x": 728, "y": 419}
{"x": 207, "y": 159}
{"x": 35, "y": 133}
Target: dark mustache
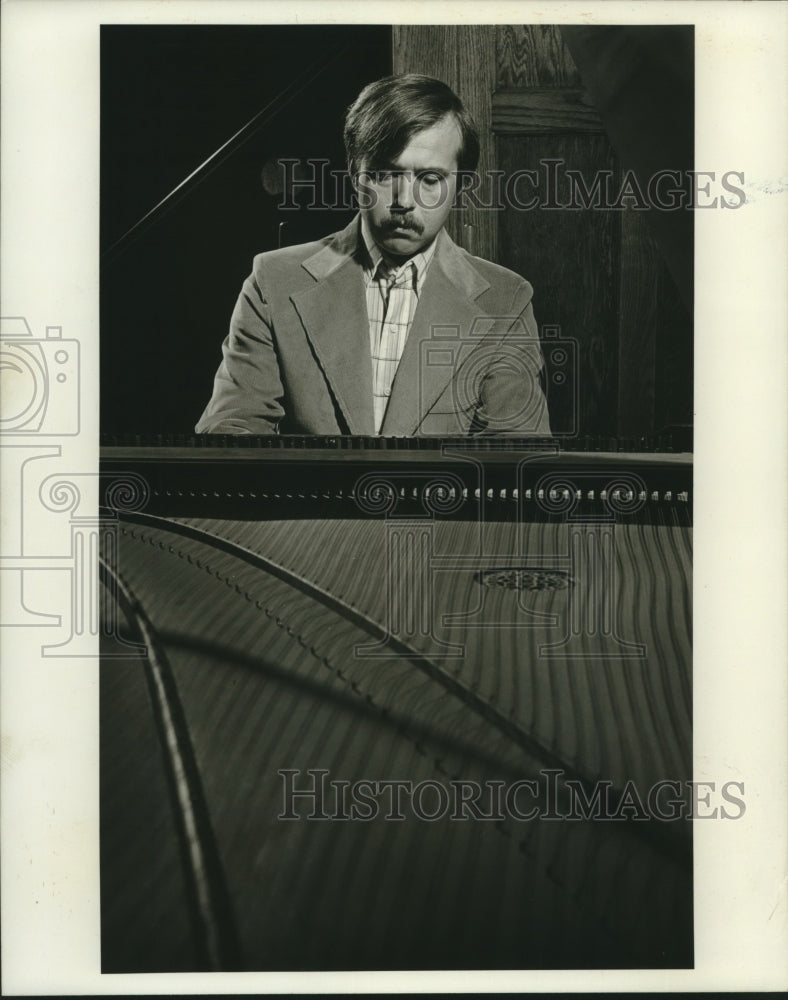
{"x": 403, "y": 222}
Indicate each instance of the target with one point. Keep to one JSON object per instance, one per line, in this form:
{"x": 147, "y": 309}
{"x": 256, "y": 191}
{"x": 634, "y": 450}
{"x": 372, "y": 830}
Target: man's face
{"x": 406, "y": 202}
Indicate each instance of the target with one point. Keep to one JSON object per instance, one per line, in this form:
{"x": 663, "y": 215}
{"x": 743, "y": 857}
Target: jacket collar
{"x": 334, "y": 314}
{"x": 348, "y": 245}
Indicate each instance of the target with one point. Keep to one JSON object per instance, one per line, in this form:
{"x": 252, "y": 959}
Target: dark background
{"x": 617, "y": 285}
{"x": 170, "y": 97}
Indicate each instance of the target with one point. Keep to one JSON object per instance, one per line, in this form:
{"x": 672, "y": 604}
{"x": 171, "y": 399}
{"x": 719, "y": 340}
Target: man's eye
{"x": 430, "y": 178}
{"x": 383, "y": 176}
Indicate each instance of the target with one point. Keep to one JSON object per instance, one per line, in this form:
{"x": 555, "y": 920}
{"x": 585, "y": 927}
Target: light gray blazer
{"x": 297, "y": 359}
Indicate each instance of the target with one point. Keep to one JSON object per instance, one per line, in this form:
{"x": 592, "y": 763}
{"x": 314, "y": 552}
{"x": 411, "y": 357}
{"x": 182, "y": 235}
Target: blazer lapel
{"x": 334, "y": 315}
{"x": 447, "y": 301}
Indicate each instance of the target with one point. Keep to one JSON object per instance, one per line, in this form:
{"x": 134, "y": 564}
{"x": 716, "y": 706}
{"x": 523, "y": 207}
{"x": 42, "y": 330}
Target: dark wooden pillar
{"x": 601, "y": 287}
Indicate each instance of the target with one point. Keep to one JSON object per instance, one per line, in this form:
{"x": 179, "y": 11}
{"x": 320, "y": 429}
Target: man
{"x": 387, "y": 327}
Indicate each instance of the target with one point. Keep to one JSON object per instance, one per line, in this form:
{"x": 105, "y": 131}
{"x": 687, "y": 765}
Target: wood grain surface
{"x": 599, "y": 272}
{"x": 638, "y": 323}
{"x": 543, "y": 111}
{"x": 572, "y": 260}
{"x": 533, "y": 55}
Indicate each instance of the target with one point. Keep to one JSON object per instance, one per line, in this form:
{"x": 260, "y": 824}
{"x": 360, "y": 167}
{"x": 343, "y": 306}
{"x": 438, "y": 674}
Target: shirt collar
{"x": 420, "y": 261}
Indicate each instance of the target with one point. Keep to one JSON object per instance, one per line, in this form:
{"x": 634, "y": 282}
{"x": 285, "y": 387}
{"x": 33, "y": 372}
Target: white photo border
{"x": 50, "y": 260}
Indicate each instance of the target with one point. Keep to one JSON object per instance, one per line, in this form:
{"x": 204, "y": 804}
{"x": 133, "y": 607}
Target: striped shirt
{"x": 392, "y": 295}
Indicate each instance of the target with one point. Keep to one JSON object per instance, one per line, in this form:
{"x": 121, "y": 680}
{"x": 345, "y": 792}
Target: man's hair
{"x": 389, "y": 112}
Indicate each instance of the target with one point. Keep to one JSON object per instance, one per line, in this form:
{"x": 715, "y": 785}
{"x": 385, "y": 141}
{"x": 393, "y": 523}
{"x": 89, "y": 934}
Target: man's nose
{"x": 402, "y": 192}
